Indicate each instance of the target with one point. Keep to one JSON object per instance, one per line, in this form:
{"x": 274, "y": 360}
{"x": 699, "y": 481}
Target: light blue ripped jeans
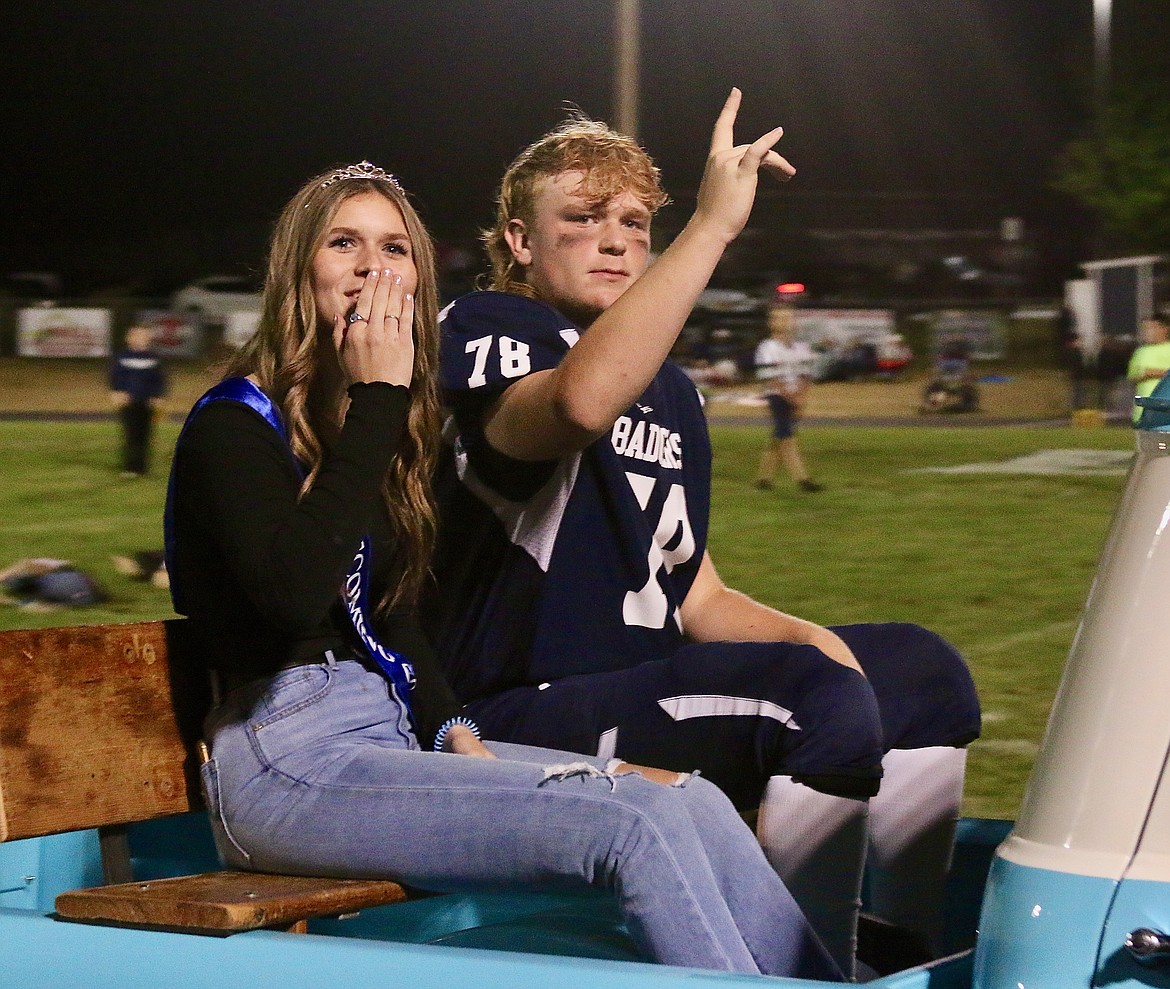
{"x": 311, "y": 773}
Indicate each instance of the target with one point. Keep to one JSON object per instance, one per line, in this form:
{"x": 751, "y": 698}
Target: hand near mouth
{"x": 375, "y": 340}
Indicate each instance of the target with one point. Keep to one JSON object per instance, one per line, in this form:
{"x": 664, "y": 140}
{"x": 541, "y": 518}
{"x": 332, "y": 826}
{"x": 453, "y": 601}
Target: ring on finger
{"x": 397, "y": 319}
{"x": 354, "y": 317}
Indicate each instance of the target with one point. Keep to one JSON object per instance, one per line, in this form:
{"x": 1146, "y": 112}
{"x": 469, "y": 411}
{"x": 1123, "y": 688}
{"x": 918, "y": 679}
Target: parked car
{"x": 1078, "y": 894}
{"x": 211, "y": 299}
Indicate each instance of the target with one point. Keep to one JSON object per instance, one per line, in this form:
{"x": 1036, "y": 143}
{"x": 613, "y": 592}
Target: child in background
{"x": 137, "y": 382}
{"x": 785, "y": 364}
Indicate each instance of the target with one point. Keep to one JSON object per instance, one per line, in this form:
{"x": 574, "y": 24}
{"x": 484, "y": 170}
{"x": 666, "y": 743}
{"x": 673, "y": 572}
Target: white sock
{"x": 911, "y": 836}
{"x": 816, "y": 844}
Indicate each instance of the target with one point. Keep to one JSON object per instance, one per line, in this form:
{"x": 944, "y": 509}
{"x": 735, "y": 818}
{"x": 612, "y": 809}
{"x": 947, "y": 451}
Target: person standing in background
{"x": 1070, "y": 353}
{"x": 785, "y": 364}
{"x": 137, "y": 382}
{"x": 1151, "y": 360}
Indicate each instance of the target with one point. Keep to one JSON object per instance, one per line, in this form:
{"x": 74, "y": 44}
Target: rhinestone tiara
{"x": 362, "y": 170}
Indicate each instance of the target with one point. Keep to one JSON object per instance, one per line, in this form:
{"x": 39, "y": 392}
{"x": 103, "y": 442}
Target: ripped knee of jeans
{"x": 613, "y": 769}
{"x": 580, "y": 770}
{"x": 664, "y": 777}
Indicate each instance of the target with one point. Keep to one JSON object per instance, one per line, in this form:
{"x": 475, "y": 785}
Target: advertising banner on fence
{"x": 174, "y": 335}
{"x": 851, "y": 343}
{"x": 833, "y": 329}
{"x": 62, "y": 332}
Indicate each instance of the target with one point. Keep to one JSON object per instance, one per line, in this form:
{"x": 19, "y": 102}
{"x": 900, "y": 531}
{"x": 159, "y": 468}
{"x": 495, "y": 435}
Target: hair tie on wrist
{"x": 446, "y": 726}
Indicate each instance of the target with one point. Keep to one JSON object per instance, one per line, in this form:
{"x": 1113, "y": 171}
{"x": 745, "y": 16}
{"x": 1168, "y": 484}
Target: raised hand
{"x": 375, "y": 342}
{"x": 728, "y": 189}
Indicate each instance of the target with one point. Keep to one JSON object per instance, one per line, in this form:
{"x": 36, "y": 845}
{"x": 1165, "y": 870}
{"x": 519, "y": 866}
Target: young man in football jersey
{"x": 576, "y": 603}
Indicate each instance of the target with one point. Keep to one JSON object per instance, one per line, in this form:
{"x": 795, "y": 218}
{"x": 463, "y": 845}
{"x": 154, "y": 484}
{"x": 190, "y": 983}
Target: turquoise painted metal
{"x": 1039, "y": 929}
{"x": 550, "y": 940}
{"x": 1137, "y": 904}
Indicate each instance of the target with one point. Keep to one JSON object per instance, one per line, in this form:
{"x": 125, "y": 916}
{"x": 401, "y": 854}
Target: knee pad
{"x": 838, "y": 748}
{"x": 923, "y": 687}
{"x": 802, "y": 715}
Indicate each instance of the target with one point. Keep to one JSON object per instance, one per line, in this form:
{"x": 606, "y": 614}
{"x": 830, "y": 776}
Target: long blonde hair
{"x": 611, "y": 164}
{"x": 284, "y": 358}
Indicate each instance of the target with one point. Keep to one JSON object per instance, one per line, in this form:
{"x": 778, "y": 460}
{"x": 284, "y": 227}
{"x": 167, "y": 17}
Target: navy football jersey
{"x": 545, "y": 570}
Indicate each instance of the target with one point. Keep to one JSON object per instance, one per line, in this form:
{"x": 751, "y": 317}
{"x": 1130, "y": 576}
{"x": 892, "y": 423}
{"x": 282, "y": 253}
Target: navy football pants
{"x": 741, "y": 712}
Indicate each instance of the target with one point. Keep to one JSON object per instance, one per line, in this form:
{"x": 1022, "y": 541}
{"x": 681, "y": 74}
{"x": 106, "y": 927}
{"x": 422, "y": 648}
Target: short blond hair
{"x": 611, "y": 163}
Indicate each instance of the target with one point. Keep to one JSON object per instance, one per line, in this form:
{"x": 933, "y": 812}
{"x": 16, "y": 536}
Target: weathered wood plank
{"x": 226, "y": 901}
{"x": 89, "y": 733}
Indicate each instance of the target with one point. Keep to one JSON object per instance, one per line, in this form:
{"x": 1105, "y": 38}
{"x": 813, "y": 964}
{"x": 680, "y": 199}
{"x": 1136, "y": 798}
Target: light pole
{"x": 626, "y": 56}
{"x": 1102, "y": 29}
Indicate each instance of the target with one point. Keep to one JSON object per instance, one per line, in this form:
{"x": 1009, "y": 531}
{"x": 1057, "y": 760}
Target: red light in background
{"x": 790, "y": 288}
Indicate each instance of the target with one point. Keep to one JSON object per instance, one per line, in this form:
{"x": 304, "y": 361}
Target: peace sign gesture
{"x": 728, "y": 189}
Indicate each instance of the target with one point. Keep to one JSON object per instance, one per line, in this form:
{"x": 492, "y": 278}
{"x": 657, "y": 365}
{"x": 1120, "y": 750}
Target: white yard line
{"x": 1007, "y": 746}
{"x": 991, "y": 648}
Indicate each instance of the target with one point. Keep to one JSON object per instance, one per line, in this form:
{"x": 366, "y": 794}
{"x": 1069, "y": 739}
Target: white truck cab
{"x": 1079, "y": 893}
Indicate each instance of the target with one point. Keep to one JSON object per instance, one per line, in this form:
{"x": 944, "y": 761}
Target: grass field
{"x": 999, "y": 563}
{"x": 29, "y": 384}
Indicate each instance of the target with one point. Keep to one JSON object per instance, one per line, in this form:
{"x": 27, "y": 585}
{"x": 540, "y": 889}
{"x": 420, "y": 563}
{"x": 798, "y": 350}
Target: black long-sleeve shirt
{"x": 261, "y": 572}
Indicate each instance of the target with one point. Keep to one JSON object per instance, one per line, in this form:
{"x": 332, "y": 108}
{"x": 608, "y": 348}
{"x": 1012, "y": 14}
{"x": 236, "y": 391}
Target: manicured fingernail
{"x": 397, "y": 279}
{"x": 387, "y": 272}
{"x": 373, "y": 273}
{"x": 409, "y": 297}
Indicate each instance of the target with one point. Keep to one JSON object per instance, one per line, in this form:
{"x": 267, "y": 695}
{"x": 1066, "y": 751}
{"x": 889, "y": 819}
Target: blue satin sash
{"x": 355, "y": 592}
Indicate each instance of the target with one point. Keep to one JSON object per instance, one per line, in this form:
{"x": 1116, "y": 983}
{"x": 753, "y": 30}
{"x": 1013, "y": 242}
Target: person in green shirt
{"x": 1151, "y": 360}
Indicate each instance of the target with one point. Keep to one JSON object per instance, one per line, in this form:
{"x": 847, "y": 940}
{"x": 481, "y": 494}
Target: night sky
{"x": 147, "y": 142}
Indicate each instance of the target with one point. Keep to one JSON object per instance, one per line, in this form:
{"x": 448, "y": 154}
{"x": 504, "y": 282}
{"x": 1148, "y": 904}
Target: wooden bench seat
{"x": 98, "y": 729}
{"x": 226, "y": 901}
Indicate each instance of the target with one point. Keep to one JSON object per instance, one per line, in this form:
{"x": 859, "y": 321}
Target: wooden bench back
{"x": 97, "y": 726}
